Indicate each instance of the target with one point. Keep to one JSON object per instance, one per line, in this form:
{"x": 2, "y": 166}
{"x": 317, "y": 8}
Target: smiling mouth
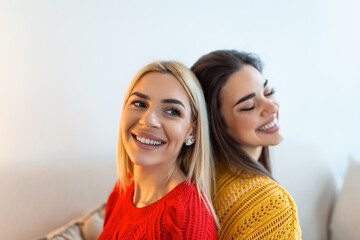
{"x": 269, "y": 125}
{"x": 147, "y": 141}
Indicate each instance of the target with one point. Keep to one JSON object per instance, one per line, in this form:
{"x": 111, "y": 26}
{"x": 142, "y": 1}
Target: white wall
{"x": 64, "y": 67}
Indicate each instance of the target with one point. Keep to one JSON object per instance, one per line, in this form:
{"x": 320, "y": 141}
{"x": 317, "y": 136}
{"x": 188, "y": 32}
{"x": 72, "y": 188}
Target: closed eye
{"x": 247, "y": 109}
{"x": 272, "y": 91}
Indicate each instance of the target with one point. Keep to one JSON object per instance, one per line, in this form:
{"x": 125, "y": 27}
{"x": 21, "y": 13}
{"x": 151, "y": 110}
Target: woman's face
{"x": 250, "y": 110}
{"x": 156, "y": 120}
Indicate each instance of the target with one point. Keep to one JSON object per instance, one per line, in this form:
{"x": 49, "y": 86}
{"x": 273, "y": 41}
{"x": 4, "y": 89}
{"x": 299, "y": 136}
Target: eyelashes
{"x": 173, "y": 112}
{"x": 247, "y": 109}
{"x": 170, "y": 111}
{"x": 272, "y": 92}
{"x": 138, "y": 104}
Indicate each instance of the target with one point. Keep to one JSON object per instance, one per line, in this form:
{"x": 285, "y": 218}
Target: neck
{"x": 253, "y": 152}
{"x": 152, "y": 183}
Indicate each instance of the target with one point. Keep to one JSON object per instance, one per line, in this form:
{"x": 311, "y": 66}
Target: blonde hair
{"x": 195, "y": 160}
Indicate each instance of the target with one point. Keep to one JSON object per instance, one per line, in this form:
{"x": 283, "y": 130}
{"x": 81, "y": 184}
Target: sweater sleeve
{"x": 256, "y": 208}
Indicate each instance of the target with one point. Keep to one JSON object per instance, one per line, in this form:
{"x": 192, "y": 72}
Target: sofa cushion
{"x": 305, "y": 171}
{"x": 93, "y": 224}
{"x": 50, "y": 194}
{"x": 68, "y": 232}
{"x": 345, "y": 220}
{"x": 87, "y": 227}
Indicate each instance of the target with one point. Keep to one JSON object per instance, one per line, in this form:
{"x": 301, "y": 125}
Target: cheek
{"x": 250, "y": 122}
{"x": 243, "y": 129}
{"x": 177, "y": 131}
{"x": 127, "y": 120}
{"x": 244, "y": 123}
{"x": 123, "y": 120}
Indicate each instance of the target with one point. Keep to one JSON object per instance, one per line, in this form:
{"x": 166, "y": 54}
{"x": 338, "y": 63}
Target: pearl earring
{"x": 189, "y": 142}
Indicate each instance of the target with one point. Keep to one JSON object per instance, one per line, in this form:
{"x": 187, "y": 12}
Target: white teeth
{"x": 270, "y": 125}
{"x": 148, "y": 141}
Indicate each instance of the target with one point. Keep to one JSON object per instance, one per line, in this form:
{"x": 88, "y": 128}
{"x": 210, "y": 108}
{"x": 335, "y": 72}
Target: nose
{"x": 149, "y": 119}
{"x": 271, "y": 106}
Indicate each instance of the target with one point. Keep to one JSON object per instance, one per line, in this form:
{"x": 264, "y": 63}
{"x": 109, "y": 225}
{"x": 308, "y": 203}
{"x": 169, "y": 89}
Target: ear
{"x": 192, "y": 132}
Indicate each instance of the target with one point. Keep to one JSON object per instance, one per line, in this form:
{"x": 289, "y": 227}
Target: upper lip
{"x": 269, "y": 121}
{"x": 148, "y": 136}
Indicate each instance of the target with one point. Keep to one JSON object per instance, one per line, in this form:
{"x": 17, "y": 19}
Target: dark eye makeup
{"x": 173, "y": 112}
{"x": 272, "y": 91}
{"x": 247, "y": 109}
{"x": 252, "y": 95}
{"x": 138, "y": 103}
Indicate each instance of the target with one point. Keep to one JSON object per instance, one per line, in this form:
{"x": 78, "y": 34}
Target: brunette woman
{"x": 164, "y": 167}
{"x": 244, "y": 122}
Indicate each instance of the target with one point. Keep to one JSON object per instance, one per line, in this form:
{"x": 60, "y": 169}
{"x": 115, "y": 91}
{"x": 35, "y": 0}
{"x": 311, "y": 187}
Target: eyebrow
{"x": 167, "y": 100}
{"x": 247, "y": 97}
{"x": 175, "y": 101}
{"x": 266, "y": 82}
{"x": 251, "y": 95}
{"x": 141, "y": 95}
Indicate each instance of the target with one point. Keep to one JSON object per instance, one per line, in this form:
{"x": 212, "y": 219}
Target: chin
{"x": 277, "y": 140}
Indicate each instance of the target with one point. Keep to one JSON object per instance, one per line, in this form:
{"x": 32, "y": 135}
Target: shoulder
{"x": 187, "y": 199}
{"x": 115, "y": 196}
{"x": 254, "y": 202}
{"x": 187, "y": 216}
{"x": 249, "y": 185}
{"x": 117, "y": 193}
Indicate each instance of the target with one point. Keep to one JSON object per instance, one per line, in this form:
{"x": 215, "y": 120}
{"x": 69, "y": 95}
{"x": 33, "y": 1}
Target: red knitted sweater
{"x": 180, "y": 214}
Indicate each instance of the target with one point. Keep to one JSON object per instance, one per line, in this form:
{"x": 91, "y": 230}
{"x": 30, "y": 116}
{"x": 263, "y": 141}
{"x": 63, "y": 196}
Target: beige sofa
{"x": 58, "y": 198}
{"x": 41, "y": 197}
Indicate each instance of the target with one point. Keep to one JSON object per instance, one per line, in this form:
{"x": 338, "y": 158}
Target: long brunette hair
{"x": 213, "y": 70}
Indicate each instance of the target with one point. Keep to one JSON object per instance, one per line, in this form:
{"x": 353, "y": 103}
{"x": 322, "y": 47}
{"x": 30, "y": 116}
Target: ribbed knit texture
{"x": 180, "y": 214}
{"x": 253, "y": 207}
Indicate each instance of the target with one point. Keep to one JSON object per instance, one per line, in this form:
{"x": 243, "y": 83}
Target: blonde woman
{"x": 164, "y": 163}
{"x": 244, "y": 122}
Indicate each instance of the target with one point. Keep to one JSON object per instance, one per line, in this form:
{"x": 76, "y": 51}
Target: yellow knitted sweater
{"x": 254, "y": 207}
